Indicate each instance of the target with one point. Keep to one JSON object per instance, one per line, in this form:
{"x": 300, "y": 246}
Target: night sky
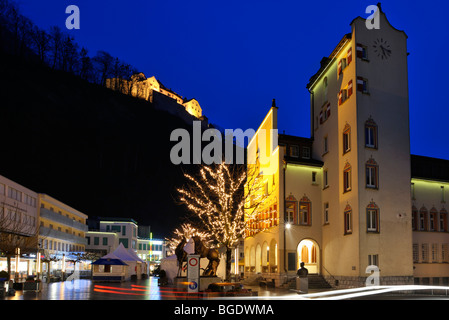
{"x": 234, "y": 57}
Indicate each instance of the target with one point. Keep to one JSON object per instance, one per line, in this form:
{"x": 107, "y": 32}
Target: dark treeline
{"x": 58, "y": 50}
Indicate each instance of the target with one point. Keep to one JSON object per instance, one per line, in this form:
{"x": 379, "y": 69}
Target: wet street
{"x": 131, "y": 290}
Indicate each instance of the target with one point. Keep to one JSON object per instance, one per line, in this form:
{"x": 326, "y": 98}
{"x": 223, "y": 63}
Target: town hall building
{"x": 352, "y": 195}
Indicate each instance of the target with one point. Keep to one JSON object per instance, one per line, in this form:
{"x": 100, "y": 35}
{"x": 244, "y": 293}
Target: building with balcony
{"x": 18, "y": 216}
{"x": 62, "y": 232}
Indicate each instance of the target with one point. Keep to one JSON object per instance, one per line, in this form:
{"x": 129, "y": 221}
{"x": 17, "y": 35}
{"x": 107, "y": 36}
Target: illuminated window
{"x": 373, "y": 260}
{"x": 425, "y": 252}
{"x": 372, "y": 174}
{"x": 433, "y": 220}
{"x": 443, "y": 220}
{"x": 306, "y": 152}
{"x": 294, "y": 151}
{"x": 346, "y": 138}
{"x": 434, "y": 252}
{"x": 342, "y": 96}
{"x": 414, "y": 218}
{"x": 372, "y": 218}
{"x": 362, "y": 85}
{"x": 347, "y": 178}
{"x": 370, "y": 134}
{"x": 415, "y": 252}
{"x": 445, "y": 252}
{"x": 325, "y": 145}
{"x": 326, "y": 212}
{"x": 423, "y": 219}
{"x": 348, "y": 220}
{"x": 325, "y": 178}
{"x": 305, "y": 212}
{"x": 362, "y": 51}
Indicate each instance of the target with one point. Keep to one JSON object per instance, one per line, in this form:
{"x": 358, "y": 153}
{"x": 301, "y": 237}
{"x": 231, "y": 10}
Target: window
{"x": 373, "y": 260}
{"x": 346, "y": 138}
{"x": 347, "y": 178}
{"x": 348, "y": 220}
{"x": 443, "y": 220}
{"x": 305, "y": 212}
{"x": 342, "y": 96}
{"x": 423, "y": 219}
{"x": 414, "y": 218}
{"x": 2, "y": 188}
{"x": 105, "y": 241}
{"x": 123, "y": 230}
{"x": 294, "y": 151}
{"x": 306, "y": 152}
{"x": 362, "y": 85}
{"x": 341, "y": 65}
{"x": 96, "y": 241}
{"x": 370, "y": 134}
{"x": 433, "y": 222}
{"x": 415, "y": 252}
{"x": 326, "y": 212}
{"x": 14, "y": 194}
{"x": 445, "y": 252}
{"x": 325, "y": 113}
{"x": 291, "y": 211}
{"x": 313, "y": 177}
{"x": 325, "y": 178}
{"x": 425, "y": 252}
{"x": 371, "y": 220}
{"x": 362, "y": 52}
{"x": 434, "y": 252}
{"x": 371, "y": 169}
{"x": 325, "y": 145}
{"x": 325, "y": 85}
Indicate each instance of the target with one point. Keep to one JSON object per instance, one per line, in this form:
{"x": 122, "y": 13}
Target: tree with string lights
{"x": 223, "y": 197}
{"x": 188, "y": 231}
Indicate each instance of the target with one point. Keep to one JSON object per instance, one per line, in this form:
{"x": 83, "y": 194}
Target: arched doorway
{"x": 308, "y": 252}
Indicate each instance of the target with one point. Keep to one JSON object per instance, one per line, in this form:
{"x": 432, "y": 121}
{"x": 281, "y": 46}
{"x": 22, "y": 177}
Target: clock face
{"x": 382, "y": 48}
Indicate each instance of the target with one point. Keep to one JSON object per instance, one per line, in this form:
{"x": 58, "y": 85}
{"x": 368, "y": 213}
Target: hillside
{"x": 101, "y": 152}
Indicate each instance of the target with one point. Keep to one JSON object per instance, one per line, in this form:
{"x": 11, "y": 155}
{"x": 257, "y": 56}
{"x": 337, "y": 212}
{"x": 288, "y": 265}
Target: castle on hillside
{"x": 140, "y": 86}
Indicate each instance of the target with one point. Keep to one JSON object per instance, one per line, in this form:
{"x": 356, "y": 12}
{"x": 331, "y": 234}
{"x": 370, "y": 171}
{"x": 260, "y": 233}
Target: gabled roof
{"x": 326, "y": 61}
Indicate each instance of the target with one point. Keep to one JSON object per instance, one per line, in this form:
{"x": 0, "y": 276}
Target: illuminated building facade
{"x": 18, "y": 215}
{"x": 144, "y": 88}
{"x": 106, "y": 233}
{"x": 341, "y": 200}
{"x": 62, "y": 232}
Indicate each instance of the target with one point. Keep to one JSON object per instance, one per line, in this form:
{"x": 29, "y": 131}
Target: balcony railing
{"x": 53, "y": 233}
{"x": 56, "y": 217}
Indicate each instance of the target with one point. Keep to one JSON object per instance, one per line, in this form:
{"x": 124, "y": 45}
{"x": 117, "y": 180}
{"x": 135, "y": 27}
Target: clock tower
{"x": 360, "y": 126}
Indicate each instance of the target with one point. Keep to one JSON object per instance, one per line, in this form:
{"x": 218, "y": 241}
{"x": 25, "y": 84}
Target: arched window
{"x": 372, "y": 174}
{"x": 348, "y": 220}
{"x": 371, "y": 134}
{"x": 414, "y": 218}
{"x": 305, "y": 212}
{"x": 346, "y": 138}
{"x": 433, "y": 219}
{"x": 347, "y": 178}
{"x": 443, "y": 220}
{"x": 422, "y": 226}
{"x": 372, "y": 217}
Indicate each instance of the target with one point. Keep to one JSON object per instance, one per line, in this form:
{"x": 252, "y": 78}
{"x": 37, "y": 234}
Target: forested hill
{"x": 99, "y": 151}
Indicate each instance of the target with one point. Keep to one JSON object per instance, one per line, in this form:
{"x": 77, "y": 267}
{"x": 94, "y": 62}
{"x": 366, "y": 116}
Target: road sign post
{"x": 193, "y": 272}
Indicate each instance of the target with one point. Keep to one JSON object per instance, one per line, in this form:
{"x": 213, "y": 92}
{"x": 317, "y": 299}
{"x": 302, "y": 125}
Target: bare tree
{"x": 224, "y": 197}
{"x": 18, "y": 231}
{"x": 41, "y": 41}
{"x": 104, "y": 64}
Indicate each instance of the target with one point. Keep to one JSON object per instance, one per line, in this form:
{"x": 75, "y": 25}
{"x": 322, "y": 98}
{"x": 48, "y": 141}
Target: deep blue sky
{"x": 234, "y": 57}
